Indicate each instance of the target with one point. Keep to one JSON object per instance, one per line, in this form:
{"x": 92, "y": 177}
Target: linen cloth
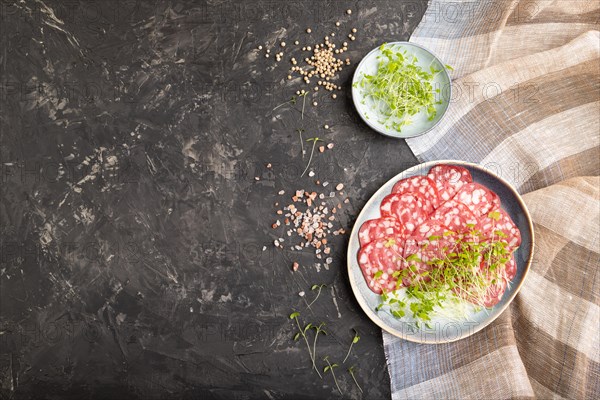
{"x": 526, "y": 105}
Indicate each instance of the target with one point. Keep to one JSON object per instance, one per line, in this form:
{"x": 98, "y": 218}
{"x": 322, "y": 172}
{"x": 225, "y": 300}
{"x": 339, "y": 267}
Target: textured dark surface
{"x": 132, "y": 223}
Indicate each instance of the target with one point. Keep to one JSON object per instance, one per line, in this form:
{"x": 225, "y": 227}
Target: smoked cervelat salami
{"x": 380, "y": 228}
{"x": 408, "y": 208}
{"x": 494, "y": 293}
{"x": 378, "y": 260}
{"x": 497, "y": 225}
{"x": 456, "y": 216}
{"x": 478, "y": 198}
{"x": 431, "y": 218}
{"x": 448, "y": 179}
{"x": 421, "y": 185}
{"x": 429, "y": 241}
{"x": 511, "y": 268}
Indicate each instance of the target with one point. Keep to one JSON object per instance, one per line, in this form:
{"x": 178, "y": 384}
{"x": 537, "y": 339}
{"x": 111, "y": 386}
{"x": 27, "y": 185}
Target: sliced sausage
{"x": 378, "y": 260}
{"x": 379, "y": 228}
{"x": 421, "y": 185}
{"x": 448, "y": 179}
{"x": 478, "y": 198}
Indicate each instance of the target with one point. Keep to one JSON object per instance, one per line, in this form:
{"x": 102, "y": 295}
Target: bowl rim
{"x": 355, "y": 93}
{"x": 352, "y": 277}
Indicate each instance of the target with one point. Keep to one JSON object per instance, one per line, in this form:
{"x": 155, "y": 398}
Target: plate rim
{"x": 355, "y": 91}
{"x": 413, "y": 338}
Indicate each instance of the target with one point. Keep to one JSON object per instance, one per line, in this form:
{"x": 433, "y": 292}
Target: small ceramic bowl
{"x": 420, "y": 122}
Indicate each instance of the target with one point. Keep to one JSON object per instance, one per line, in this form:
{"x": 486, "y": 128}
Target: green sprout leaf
{"x": 495, "y": 215}
{"x": 389, "y": 243}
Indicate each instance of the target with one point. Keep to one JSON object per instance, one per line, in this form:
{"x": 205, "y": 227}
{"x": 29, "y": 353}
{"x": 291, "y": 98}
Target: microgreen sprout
{"x": 351, "y": 372}
{"x": 292, "y": 101}
{"x": 312, "y": 151}
{"x": 318, "y": 330}
{"x": 318, "y": 288}
{"x": 300, "y": 130}
{"x": 400, "y": 88}
{"x": 355, "y": 339}
{"x": 302, "y": 333}
{"x": 463, "y": 271}
{"x": 329, "y": 368}
{"x": 303, "y": 103}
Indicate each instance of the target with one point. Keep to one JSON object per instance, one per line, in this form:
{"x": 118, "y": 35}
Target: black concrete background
{"x": 132, "y": 225}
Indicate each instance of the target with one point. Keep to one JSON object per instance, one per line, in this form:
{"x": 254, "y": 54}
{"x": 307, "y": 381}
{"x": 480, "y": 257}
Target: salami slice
{"x": 421, "y": 185}
{"x": 379, "y": 228}
{"x": 496, "y": 290}
{"x": 408, "y": 208}
{"x": 456, "y": 216}
{"x": 497, "y": 221}
{"x": 430, "y": 241}
{"x": 478, "y": 198}
{"x": 448, "y": 179}
{"x": 511, "y": 268}
{"x": 494, "y": 293}
{"x": 386, "y": 204}
{"x": 378, "y": 260}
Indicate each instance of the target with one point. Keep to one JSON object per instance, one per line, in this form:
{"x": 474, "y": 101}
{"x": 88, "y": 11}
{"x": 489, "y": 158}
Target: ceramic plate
{"x": 443, "y": 330}
{"x": 421, "y": 123}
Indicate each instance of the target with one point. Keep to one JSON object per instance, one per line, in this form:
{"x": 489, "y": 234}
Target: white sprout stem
{"x": 354, "y": 379}
{"x": 315, "y": 353}
{"x": 349, "y": 350}
{"x": 307, "y": 345}
{"x": 281, "y": 105}
{"x": 311, "y": 156}
{"x": 301, "y": 142}
{"x": 315, "y": 299}
{"x": 333, "y": 373}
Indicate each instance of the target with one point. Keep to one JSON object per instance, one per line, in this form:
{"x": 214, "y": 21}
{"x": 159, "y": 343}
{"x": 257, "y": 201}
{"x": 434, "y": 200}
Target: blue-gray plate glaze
{"x": 421, "y": 124}
{"x": 443, "y": 330}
